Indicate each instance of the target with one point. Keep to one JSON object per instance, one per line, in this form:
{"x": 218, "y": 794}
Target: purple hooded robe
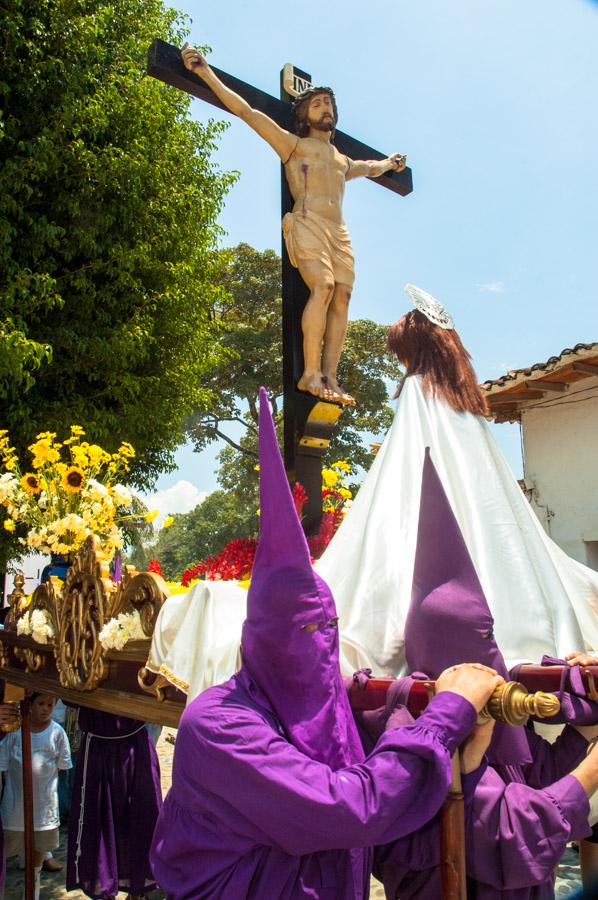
{"x": 271, "y": 794}
{"x": 523, "y": 808}
{"x": 116, "y": 799}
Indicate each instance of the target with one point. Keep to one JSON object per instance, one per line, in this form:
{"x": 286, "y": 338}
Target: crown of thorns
{"x": 311, "y": 92}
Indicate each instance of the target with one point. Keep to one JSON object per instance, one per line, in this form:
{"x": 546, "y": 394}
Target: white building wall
{"x": 560, "y": 437}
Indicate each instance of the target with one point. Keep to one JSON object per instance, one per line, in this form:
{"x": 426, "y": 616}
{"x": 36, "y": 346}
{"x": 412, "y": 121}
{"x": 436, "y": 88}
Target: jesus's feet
{"x": 315, "y": 384}
{"x": 340, "y": 395}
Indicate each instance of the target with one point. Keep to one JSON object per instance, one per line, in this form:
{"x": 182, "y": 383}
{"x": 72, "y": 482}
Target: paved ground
{"x": 53, "y": 885}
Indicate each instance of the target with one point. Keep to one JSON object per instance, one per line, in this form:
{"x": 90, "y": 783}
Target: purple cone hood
{"x": 449, "y": 621}
{"x": 290, "y": 641}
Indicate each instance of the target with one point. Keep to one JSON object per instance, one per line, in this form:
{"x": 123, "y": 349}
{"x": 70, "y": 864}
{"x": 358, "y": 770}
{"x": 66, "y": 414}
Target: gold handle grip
{"x": 512, "y": 704}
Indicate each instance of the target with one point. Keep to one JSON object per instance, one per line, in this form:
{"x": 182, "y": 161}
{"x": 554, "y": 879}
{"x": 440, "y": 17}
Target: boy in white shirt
{"x": 50, "y": 752}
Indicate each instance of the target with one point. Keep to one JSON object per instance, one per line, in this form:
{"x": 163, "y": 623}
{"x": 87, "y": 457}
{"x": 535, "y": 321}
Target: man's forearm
{"x": 587, "y": 773}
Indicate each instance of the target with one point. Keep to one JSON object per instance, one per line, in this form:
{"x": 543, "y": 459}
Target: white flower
{"x": 8, "y": 486}
{"x": 23, "y": 624}
{"x": 71, "y": 522}
{"x": 95, "y": 490}
{"x": 36, "y": 624}
{"x": 121, "y": 495}
{"x": 117, "y": 632}
{"x": 41, "y": 630}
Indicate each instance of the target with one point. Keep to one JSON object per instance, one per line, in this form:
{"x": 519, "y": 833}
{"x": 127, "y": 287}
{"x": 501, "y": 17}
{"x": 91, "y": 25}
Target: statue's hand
{"x": 194, "y": 60}
{"x": 399, "y": 161}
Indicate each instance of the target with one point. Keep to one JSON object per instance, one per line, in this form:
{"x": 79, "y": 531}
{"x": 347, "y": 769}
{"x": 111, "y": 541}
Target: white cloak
{"x": 543, "y": 602}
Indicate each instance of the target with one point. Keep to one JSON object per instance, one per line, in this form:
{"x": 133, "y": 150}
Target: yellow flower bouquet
{"x": 71, "y": 491}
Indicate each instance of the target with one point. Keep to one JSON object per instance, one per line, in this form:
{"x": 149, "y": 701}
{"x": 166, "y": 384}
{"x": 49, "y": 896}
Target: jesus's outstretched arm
{"x": 281, "y": 141}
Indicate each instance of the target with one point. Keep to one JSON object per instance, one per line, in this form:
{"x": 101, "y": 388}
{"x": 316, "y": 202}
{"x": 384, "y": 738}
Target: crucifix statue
{"x": 316, "y": 238}
{"x": 315, "y": 294}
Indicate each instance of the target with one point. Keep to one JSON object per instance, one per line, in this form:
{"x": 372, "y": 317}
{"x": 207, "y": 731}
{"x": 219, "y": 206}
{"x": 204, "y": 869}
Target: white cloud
{"x": 178, "y": 498}
{"x": 491, "y": 287}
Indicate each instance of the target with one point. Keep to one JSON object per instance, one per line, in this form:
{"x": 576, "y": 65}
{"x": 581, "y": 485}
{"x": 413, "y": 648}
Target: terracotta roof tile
{"x": 554, "y": 363}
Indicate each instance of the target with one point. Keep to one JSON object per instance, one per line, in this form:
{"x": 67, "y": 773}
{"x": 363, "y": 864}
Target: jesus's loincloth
{"x": 310, "y": 236}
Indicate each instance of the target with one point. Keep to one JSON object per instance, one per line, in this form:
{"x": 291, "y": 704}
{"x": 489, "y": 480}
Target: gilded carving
{"x": 155, "y": 687}
{"x": 15, "y": 600}
{"x": 4, "y": 657}
{"x": 141, "y": 591}
{"x": 79, "y": 608}
{"x": 33, "y": 661}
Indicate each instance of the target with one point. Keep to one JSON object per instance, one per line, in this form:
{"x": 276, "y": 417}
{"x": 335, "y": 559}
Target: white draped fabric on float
{"x": 197, "y": 638}
{"x": 542, "y": 601}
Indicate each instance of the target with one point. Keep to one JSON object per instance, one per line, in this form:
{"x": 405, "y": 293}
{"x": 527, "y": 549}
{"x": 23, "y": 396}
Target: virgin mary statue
{"x": 541, "y": 600}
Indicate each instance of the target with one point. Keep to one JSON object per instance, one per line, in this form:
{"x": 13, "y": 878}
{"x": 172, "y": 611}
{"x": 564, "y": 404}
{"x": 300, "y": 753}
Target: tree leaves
{"x": 108, "y": 207}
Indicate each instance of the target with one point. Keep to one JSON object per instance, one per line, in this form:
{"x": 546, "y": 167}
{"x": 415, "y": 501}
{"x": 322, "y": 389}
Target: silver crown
{"x": 429, "y": 306}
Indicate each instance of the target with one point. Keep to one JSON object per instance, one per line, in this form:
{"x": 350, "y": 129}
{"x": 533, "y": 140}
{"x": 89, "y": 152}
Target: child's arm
{"x": 64, "y": 750}
{"x": 4, "y": 753}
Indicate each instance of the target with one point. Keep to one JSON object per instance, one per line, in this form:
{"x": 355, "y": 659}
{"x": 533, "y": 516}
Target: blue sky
{"x": 494, "y": 103}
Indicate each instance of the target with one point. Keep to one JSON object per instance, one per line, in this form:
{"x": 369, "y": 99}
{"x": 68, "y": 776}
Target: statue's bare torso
{"x": 316, "y": 174}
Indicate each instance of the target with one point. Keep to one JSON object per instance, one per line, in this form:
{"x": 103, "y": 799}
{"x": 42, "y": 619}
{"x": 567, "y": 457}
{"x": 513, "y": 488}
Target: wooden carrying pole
{"x": 27, "y": 800}
{"x": 452, "y": 839}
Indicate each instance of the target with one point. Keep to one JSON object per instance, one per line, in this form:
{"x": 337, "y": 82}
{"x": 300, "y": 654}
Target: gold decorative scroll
{"x": 79, "y": 608}
{"x": 33, "y": 661}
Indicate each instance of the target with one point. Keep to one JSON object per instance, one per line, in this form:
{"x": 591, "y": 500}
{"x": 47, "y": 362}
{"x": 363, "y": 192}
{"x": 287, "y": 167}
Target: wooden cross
{"x": 308, "y": 421}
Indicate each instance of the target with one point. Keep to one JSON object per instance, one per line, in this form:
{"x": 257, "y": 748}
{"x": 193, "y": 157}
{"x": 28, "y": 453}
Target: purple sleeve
{"x": 554, "y": 761}
{"x": 420, "y": 850}
{"x": 517, "y": 834}
{"x": 255, "y": 780}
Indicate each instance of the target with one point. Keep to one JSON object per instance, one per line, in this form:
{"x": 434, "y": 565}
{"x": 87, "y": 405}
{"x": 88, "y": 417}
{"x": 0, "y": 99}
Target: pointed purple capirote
{"x": 290, "y": 640}
{"x": 449, "y": 621}
{"x": 281, "y": 534}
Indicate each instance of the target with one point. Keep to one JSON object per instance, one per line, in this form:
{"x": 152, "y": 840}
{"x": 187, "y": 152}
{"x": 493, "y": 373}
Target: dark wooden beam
{"x": 105, "y": 699}
{"x": 515, "y": 398}
{"x": 585, "y": 368}
{"x": 556, "y": 386}
{"x": 165, "y": 64}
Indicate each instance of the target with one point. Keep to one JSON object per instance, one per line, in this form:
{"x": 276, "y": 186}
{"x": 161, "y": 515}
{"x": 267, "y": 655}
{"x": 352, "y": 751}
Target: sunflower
{"x": 31, "y": 483}
{"x": 73, "y": 479}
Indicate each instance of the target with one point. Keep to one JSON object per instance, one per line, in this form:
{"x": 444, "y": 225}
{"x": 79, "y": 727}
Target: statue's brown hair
{"x": 438, "y": 355}
{"x": 301, "y": 106}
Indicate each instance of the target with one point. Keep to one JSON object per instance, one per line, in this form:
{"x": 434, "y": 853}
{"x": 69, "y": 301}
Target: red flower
{"x": 318, "y": 542}
{"x": 154, "y": 566}
{"x": 233, "y": 563}
{"x": 299, "y": 497}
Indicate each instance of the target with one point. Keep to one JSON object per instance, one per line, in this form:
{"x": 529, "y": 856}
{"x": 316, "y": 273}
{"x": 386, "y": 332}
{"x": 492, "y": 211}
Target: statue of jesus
{"x": 317, "y": 240}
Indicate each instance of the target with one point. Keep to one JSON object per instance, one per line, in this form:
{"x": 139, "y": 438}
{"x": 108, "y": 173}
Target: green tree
{"x": 108, "y": 208}
{"x": 203, "y": 531}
